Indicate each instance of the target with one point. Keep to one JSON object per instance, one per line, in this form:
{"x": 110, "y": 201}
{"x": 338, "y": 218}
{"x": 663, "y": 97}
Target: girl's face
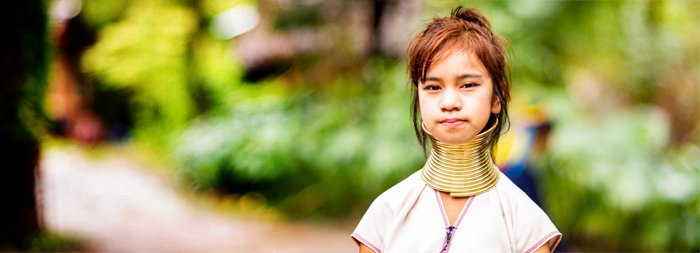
{"x": 456, "y": 98}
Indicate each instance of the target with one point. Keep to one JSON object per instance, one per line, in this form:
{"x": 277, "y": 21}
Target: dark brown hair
{"x": 469, "y": 30}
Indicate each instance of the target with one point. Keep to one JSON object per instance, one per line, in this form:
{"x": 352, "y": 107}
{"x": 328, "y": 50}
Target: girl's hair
{"x": 469, "y": 30}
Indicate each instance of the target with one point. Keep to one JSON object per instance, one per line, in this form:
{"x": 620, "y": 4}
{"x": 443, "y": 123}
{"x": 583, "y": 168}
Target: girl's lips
{"x": 452, "y": 122}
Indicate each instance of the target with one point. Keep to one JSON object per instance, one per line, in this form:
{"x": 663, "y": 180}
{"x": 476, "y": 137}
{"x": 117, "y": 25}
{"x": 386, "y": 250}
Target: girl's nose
{"x": 450, "y": 101}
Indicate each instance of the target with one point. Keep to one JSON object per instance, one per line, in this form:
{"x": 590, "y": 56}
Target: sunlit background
{"x": 271, "y": 125}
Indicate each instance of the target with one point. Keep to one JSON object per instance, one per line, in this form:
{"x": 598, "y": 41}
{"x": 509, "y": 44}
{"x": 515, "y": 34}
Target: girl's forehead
{"x": 458, "y": 45}
{"x": 462, "y": 51}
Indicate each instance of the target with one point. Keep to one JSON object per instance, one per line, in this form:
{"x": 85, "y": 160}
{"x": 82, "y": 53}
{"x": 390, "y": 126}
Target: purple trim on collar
{"x": 442, "y": 208}
{"x": 544, "y": 240}
{"x": 444, "y": 213}
{"x": 364, "y": 241}
{"x": 447, "y": 221}
{"x": 464, "y": 210}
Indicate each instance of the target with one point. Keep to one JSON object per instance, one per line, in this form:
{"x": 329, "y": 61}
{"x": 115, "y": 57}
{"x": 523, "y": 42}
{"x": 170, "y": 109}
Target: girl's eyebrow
{"x": 462, "y": 76}
{"x": 470, "y": 75}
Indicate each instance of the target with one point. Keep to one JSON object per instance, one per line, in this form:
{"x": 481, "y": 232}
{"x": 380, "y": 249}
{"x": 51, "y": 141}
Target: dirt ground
{"x": 114, "y": 203}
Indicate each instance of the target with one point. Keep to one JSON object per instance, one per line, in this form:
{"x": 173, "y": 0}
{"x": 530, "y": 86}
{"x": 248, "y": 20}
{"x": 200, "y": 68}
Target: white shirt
{"x": 410, "y": 217}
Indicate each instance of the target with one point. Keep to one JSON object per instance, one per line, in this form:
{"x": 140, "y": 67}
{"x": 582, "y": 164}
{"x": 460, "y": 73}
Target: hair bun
{"x": 471, "y": 15}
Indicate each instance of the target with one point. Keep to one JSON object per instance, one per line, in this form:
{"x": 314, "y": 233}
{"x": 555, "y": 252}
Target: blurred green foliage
{"x": 314, "y": 151}
{"x": 617, "y": 170}
{"x": 612, "y": 181}
{"x": 53, "y": 242}
{"x": 147, "y": 50}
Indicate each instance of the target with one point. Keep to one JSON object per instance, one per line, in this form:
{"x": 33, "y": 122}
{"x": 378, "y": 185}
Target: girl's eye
{"x": 469, "y": 85}
{"x": 431, "y": 87}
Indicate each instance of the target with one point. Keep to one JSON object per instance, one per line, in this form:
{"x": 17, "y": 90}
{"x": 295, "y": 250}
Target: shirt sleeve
{"x": 531, "y": 226}
{"x": 373, "y": 225}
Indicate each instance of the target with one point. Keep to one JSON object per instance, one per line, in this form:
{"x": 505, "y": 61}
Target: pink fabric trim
{"x": 544, "y": 240}
{"x": 444, "y": 213}
{"x": 442, "y": 208}
{"x": 447, "y": 221}
{"x": 459, "y": 220}
{"x": 448, "y": 246}
{"x": 364, "y": 241}
{"x": 464, "y": 210}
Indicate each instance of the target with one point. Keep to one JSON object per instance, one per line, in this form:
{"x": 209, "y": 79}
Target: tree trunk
{"x": 23, "y": 63}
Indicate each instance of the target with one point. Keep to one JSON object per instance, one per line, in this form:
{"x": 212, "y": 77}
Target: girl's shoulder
{"x": 527, "y": 223}
{"x": 506, "y": 187}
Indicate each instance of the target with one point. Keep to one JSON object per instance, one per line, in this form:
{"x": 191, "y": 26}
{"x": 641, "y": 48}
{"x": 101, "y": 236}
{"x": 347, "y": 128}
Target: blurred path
{"x": 115, "y": 205}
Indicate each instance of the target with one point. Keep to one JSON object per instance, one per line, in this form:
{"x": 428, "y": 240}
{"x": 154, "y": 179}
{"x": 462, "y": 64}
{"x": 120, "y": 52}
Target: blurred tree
{"x": 146, "y": 50}
{"x": 24, "y": 66}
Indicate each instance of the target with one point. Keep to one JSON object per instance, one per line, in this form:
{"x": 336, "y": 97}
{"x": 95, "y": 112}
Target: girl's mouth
{"x": 451, "y": 122}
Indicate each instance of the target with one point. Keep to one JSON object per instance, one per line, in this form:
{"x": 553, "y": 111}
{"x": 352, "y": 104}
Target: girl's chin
{"x": 454, "y": 138}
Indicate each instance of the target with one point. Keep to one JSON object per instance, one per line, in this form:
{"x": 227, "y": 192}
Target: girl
{"x": 459, "y": 201}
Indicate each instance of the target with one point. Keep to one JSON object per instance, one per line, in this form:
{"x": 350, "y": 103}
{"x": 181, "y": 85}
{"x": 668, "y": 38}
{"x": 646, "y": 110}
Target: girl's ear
{"x": 496, "y": 105}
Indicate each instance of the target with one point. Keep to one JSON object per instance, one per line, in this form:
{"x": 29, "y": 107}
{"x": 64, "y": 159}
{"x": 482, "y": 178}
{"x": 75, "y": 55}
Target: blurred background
{"x": 271, "y": 125}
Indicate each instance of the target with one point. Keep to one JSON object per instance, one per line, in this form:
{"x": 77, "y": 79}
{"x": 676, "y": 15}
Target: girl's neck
{"x": 462, "y": 170}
